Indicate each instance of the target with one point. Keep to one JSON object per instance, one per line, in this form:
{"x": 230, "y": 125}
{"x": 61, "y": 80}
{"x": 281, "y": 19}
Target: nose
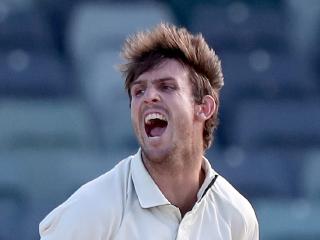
{"x": 151, "y": 95}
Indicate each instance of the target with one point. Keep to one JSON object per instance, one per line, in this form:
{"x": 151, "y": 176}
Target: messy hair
{"x": 145, "y": 50}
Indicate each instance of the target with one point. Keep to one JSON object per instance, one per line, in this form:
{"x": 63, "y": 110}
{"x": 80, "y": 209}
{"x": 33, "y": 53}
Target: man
{"x": 168, "y": 190}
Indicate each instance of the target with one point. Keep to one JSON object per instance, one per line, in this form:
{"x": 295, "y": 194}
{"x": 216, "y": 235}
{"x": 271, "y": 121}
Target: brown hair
{"x": 145, "y": 50}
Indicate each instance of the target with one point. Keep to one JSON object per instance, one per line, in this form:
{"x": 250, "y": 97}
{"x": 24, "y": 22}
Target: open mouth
{"x": 155, "y": 124}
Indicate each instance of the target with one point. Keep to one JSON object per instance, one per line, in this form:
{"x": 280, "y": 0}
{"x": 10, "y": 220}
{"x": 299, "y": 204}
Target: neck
{"x": 179, "y": 179}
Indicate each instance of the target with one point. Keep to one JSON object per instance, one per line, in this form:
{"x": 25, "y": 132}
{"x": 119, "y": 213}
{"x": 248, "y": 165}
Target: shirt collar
{"x": 148, "y": 192}
{"x": 210, "y": 175}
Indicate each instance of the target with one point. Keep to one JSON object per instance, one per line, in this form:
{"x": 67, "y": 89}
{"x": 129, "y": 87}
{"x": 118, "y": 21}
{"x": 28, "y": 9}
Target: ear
{"x": 206, "y": 109}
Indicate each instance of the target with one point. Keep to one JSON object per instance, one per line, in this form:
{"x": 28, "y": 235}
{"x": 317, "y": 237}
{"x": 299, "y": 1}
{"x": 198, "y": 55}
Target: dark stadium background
{"x": 64, "y": 116}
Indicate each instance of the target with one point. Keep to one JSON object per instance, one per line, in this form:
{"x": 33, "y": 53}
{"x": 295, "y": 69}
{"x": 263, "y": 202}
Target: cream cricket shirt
{"x": 125, "y": 203}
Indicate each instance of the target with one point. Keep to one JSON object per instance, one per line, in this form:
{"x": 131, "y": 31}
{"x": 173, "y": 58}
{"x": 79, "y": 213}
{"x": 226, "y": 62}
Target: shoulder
{"x": 237, "y": 209}
{"x": 93, "y": 210}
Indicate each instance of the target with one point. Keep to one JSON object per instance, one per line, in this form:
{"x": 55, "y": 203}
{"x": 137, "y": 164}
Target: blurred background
{"x": 64, "y": 115}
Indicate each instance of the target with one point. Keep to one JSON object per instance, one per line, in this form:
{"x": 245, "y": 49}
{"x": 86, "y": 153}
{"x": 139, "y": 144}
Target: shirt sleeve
{"x": 245, "y": 223}
{"x": 85, "y": 215}
{"x": 93, "y": 212}
{"x": 73, "y": 221}
{"x": 252, "y": 226}
{"x": 254, "y": 233}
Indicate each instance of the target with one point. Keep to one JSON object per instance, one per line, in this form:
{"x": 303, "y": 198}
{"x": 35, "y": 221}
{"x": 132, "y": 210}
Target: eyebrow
{"x": 158, "y": 80}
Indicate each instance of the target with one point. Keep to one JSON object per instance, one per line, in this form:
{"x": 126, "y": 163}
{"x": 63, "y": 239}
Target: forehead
{"x": 169, "y": 69}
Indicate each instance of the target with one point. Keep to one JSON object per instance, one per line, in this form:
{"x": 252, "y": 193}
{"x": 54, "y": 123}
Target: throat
{"x": 178, "y": 179}
{"x": 181, "y": 191}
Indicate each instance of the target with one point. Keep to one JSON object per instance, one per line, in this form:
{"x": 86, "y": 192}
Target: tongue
{"x": 157, "y": 131}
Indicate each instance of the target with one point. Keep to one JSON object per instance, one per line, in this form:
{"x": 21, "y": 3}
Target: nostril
{"x": 151, "y": 100}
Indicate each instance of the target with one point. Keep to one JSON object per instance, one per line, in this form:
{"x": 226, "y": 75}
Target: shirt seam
{"x": 125, "y": 204}
{"x": 209, "y": 186}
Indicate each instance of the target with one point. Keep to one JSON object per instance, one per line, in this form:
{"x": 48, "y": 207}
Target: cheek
{"x": 184, "y": 119}
{"x": 134, "y": 115}
{"x": 134, "y": 123}
{"x": 187, "y": 108}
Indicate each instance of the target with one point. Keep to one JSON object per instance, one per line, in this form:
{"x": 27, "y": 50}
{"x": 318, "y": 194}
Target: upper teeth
{"x": 151, "y": 116}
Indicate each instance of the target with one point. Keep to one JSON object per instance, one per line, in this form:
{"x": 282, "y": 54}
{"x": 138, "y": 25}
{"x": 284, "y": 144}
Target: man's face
{"x": 162, "y": 110}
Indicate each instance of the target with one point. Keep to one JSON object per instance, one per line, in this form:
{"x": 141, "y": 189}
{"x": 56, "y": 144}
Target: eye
{"x": 167, "y": 87}
{"x": 137, "y": 91}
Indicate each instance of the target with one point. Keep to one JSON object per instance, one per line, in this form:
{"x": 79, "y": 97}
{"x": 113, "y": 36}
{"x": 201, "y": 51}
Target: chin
{"x": 156, "y": 153}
